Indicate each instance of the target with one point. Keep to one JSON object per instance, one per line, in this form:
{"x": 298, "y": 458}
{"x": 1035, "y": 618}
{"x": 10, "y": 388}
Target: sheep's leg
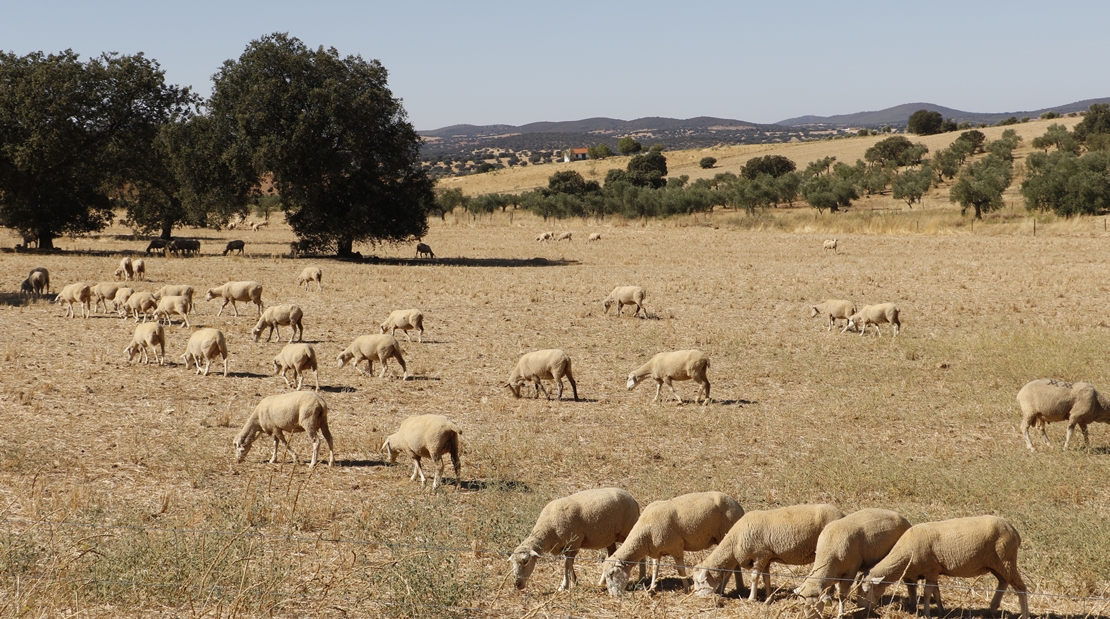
{"x": 284, "y": 441}
{"x": 681, "y": 567}
{"x": 421, "y": 338}
{"x": 1044, "y": 432}
{"x": 273, "y": 456}
{"x": 1086, "y": 438}
{"x": 438, "y": 462}
{"x": 569, "y": 577}
{"x": 385, "y": 366}
{"x": 654, "y": 572}
{"x": 540, "y": 387}
{"x": 316, "y": 374}
{"x": 300, "y": 378}
{"x": 207, "y": 363}
{"x": 286, "y": 378}
{"x": 671, "y": 385}
{"x": 1067, "y": 437}
{"x": 832, "y": 321}
{"x": 658, "y": 387}
{"x": 419, "y": 469}
{"x": 560, "y": 394}
{"x": 221, "y": 312}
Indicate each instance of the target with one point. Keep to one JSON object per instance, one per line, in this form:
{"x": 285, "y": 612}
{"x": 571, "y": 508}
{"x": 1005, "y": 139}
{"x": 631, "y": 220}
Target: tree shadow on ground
{"x": 471, "y": 262}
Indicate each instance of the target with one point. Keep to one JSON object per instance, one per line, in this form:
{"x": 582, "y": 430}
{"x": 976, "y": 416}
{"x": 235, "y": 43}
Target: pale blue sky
{"x": 520, "y": 62}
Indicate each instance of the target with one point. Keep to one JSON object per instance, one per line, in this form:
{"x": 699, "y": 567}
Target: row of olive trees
{"x": 1071, "y": 174}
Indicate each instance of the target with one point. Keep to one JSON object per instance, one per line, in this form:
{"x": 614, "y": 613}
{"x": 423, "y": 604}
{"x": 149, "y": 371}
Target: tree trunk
{"x": 167, "y": 230}
{"x": 344, "y": 248}
{"x": 978, "y": 212}
{"x": 46, "y": 239}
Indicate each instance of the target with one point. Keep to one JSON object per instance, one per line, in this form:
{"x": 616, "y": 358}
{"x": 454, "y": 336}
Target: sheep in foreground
{"x": 670, "y": 366}
{"x": 277, "y": 316}
{"x": 1044, "y": 401}
{"x": 236, "y": 245}
{"x": 126, "y": 270}
{"x": 961, "y": 548}
{"x": 875, "y": 315}
{"x": 786, "y": 535}
{"x": 40, "y": 280}
{"x": 371, "y": 348}
{"x": 834, "y": 309}
{"x": 551, "y": 364}
{"x": 426, "y": 436}
{"x": 596, "y": 236}
{"x": 78, "y": 293}
{"x": 169, "y": 306}
{"x": 139, "y": 303}
{"x": 590, "y": 520}
{"x": 104, "y": 292}
{"x": 423, "y": 249}
{"x": 119, "y": 302}
{"x": 848, "y": 546}
{"x": 147, "y": 337}
{"x": 830, "y": 244}
{"x": 686, "y": 523}
{"x": 140, "y": 268}
{"x": 405, "y": 320}
{"x": 297, "y": 357}
{"x": 176, "y": 291}
{"x": 206, "y": 344}
{"x": 626, "y": 295}
{"x": 544, "y": 237}
{"x": 297, "y": 411}
{"x": 564, "y": 237}
{"x": 231, "y": 292}
{"x": 309, "y": 275}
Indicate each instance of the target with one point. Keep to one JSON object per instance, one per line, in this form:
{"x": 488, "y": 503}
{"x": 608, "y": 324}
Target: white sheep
{"x": 686, "y": 523}
{"x": 277, "y": 316}
{"x": 544, "y": 237}
{"x": 373, "y": 347}
{"x": 405, "y": 320}
{"x": 176, "y": 291}
{"x": 564, "y": 237}
{"x": 590, "y": 520}
{"x": 596, "y": 236}
{"x": 297, "y": 357}
{"x": 237, "y": 291}
{"x": 126, "y": 270}
{"x": 834, "y": 309}
{"x": 78, "y": 293}
{"x": 875, "y": 315}
{"x": 141, "y": 302}
{"x": 119, "y": 302}
{"x": 626, "y": 295}
{"x": 296, "y": 411}
{"x": 168, "y": 306}
{"x": 148, "y": 337}
{"x": 787, "y": 535}
{"x": 256, "y": 226}
{"x": 309, "y": 275}
{"x": 670, "y": 366}
{"x": 961, "y": 548}
{"x": 551, "y": 364}
{"x": 206, "y": 344}
{"x": 847, "y": 547}
{"x": 426, "y": 436}
{"x": 103, "y": 293}
{"x": 830, "y": 244}
{"x": 140, "y": 268}
{"x": 1044, "y": 401}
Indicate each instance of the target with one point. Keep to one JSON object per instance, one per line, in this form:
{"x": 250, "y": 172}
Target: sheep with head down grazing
{"x": 371, "y": 348}
{"x": 300, "y": 358}
{"x": 277, "y": 316}
{"x": 149, "y": 336}
{"x": 1046, "y": 400}
{"x": 296, "y": 411}
{"x": 426, "y": 436}
{"x": 834, "y": 309}
{"x": 626, "y": 295}
{"x": 551, "y": 364}
{"x": 247, "y": 292}
{"x": 405, "y": 320}
{"x": 876, "y": 315}
{"x": 206, "y": 345}
{"x": 78, "y": 293}
{"x": 309, "y": 275}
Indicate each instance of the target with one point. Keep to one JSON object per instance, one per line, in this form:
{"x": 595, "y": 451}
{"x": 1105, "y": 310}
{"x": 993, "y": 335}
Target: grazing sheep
{"x": 830, "y": 245}
{"x": 875, "y": 315}
{"x": 277, "y": 316}
{"x": 787, "y": 535}
{"x": 371, "y": 347}
{"x": 670, "y": 366}
{"x": 140, "y": 269}
{"x": 686, "y": 523}
{"x": 26, "y": 288}
{"x": 591, "y": 520}
{"x": 424, "y": 250}
{"x": 156, "y": 244}
{"x": 426, "y": 436}
{"x": 205, "y": 344}
{"x": 126, "y": 270}
{"x": 847, "y": 547}
{"x": 297, "y": 357}
{"x": 168, "y": 306}
{"x": 296, "y": 411}
{"x": 551, "y": 364}
{"x": 405, "y": 320}
{"x": 147, "y": 337}
{"x": 78, "y": 293}
{"x": 258, "y": 225}
{"x": 626, "y": 295}
{"x": 961, "y": 548}
{"x": 596, "y": 236}
{"x": 834, "y": 309}
{"x": 104, "y": 292}
{"x": 564, "y": 237}
{"x": 544, "y": 237}
{"x": 176, "y": 291}
{"x": 139, "y": 303}
{"x": 119, "y": 302}
{"x": 237, "y": 291}
{"x": 1044, "y": 401}
{"x": 235, "y": 245}
{"x": 309, "y": 275}
{"x": 40, "y": 280}
{"x": 185, "y": 246}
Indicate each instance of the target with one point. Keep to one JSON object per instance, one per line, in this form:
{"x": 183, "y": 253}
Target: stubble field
{"x": 119, "y": 494}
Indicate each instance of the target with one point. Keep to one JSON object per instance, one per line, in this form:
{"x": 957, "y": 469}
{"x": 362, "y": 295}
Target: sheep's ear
{"x": 534, "y": 553}
{"x": 876, "y": 580}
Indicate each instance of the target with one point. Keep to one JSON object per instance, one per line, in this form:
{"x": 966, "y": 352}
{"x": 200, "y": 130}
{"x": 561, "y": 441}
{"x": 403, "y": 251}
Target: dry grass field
{"x": 119, "y": 494}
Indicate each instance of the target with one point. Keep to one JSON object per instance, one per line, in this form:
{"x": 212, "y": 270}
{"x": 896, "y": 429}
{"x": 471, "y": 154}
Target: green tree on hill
{"x": 628, "y": 146}
{"x": 774, "y": 165}
{"x": 981, "y": 184}
{"x": 924, "y": 122}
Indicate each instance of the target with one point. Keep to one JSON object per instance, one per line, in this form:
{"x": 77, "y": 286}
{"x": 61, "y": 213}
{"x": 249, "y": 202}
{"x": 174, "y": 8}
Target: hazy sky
{"x": 519, "y": 62}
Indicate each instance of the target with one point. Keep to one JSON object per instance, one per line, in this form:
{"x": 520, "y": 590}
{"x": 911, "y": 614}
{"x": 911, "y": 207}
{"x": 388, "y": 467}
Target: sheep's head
{"x": 705, "y": 583}
{"x": 344, "y": 357}
{"x": 633, "y": 380}
{"x": 872, "y": 588}
{"x": 616, "y": 575}
{"x": 131, "y": 351}
{"x": 243, "y": 444}
{"x": 523, "y": 562}
{"x": 607, "y": 303}
{"x": 515, "y": 388}
{"x": 852, "y": 321}
{"x": 257, "y": 331}
{"x": 389, "y": 451}
{"x": 813, "y": 599}
{"x": 382, "y": 327}
{"x": 209, "y": 296}
{"x": 813, "y": 311}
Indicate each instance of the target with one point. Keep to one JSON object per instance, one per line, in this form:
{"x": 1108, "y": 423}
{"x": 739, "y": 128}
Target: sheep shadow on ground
{"x": 362, "y": 463}
{"x": 12, "y": 299}
{"x": 1100, "y": 451}
{"x": 241, "y": 374}
{"x": 337, "y": 389}
{"x": 740, "y": 402}
{"x": 414, "y": 377}
{"x": 503, "y": 485}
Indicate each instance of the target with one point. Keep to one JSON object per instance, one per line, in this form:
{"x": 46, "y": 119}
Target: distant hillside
{"x": 899, "y": 114}
{"x": 596, "y": 125}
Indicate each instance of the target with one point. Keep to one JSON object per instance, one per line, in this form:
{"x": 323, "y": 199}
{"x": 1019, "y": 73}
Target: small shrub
{"x": 707, "y": 162}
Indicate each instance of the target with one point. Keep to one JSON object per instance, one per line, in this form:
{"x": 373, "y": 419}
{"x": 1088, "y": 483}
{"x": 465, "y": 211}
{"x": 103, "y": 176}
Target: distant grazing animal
{"x": 141, "y": 302}
{"x": 184, "y": 246}
{"x": 424, "y": 250}
{"x": 26, "y": 289}
{"x": 544, "y": 237}
{"x": 258, "y": 225}
{"x": 276, "y": 316}
{"x": 551, "y": 364}
{"x": 373, "y": 347}
{"x": 156, "y": 244}
{"x": 596, "y": 236}
{"x": 876, "y": 315}
{"x": 404, "y": 320}
{"x": 103, "y": 293}
{"x": 78, "y": 293}
{"x": 176, "y": 291}
{"x": 148, "y": 337}
{"x": 426, "y": 436}
{"x": 830, "y": 244}
{"x": 235, "y": 245}
{"x": 231, "y": 292}
{"x": 40, "y": 280}
{"x": 1044, "y": 401}
{"x": 168, "y": 306}
{"x": 669, "y": 366}
{"x": 309, "y": 275}
{"x": 126, "y": 270}
{"x": 297, "y": 411}
{"x": 299, "y": 358}
{"x": 834, "y": 309}
{"x": 626, "y": 295}
{"x": 564, "y": 237}
{"x": 140, "y": 268}
{"x": 206, "y": 344}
